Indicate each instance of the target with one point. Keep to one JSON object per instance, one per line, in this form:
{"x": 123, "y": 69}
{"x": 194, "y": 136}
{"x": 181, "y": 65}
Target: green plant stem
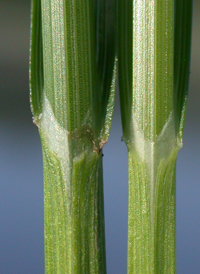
{"x": 154, "y": 57}
{"x": 72, "y": 83}
{"x": 74, "y": 218}
{"x": 151, "y": 235}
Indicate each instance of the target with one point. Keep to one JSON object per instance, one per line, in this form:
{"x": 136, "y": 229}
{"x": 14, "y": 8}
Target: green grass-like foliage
{"x": 154, "y": 60}
{"x": 72, "y": 83}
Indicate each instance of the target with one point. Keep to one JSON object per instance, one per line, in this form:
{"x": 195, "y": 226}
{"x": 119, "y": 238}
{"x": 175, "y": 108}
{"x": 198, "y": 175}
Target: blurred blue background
{"x": 21, "y": 183}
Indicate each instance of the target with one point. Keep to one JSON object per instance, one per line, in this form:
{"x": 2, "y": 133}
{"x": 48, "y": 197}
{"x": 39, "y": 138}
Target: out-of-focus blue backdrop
{"x": 21, "y": 183}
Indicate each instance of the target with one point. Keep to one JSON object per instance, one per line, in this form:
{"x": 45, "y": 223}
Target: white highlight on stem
{"x": 56, "y": 138}
{"x": 153, "y": 152}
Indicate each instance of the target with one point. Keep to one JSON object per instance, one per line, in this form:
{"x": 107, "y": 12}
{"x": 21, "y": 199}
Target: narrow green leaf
{"x": 36, "y": 61}
{"x": 106, "y": 57}
{"x": 154, "y": 57}
{"x": 182, "y": 41}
